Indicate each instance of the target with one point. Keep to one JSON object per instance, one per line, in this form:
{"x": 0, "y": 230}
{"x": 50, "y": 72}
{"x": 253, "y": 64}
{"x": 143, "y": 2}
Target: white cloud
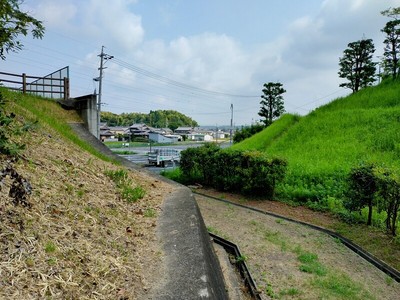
{"x": 304, "y": 58}
{"x": 99, "y": 21}
{"x": 55, "y": 14}
{"x": 113, "y": 23}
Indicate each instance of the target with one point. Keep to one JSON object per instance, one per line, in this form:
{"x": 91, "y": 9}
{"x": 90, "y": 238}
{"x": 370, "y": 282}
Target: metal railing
{"x": 56, "y": 87}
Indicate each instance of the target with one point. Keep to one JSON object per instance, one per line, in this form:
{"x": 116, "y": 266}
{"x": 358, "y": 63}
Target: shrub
{"x": 248, "y": 172}
{"x": 389, "y": 195}
{"x": 361, "y": 189}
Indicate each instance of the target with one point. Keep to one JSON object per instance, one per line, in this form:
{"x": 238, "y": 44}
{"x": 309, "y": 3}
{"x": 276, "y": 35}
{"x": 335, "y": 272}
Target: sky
{"x": 200, "y": 56}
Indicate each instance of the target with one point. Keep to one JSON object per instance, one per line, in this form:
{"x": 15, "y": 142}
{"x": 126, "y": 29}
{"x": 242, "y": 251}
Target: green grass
{"x": 322, "y": 147}
{"x": 124, "y": 184}
{"x": 340, "y": 286}
{"x": 124, "y": 152}
{"x": 310, "y": 264}
{"x": 265, "y": 138}
{"x": 149, "y": 213}
{"x": 50, "y": 113}
{"x": 50, "y": 247}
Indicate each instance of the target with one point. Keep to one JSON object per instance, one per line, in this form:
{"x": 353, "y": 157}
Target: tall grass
{"x": 323, "y": 146}
{"x": 263, "y": 139}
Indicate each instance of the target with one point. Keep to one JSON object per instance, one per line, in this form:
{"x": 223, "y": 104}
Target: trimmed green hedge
{"x": 247, "y": 172}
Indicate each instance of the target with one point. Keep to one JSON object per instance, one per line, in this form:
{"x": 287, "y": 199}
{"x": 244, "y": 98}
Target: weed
{"x": 213, "y": 230}
{"x": 253, "y": 222}
{"x": 289, "y": 292}
{"x": 243, "y": 200}
{"x": 149, "y": 213}
{"x": 128, "y": 193}
{"x": 50, "y": 247}
{"x": 52, "y": 261}
{"x": 69, "y": 188}
{"x": 310, "y": 264}
{"x": 389, "y": 280}
{"x": 132, "y": 194}
{"x": 269, "y": 291}
{"x": 29, "y": 262}
{"x": 120, "y": 177}
{"x": 340, "y": 286}
{"x": 80, "y": 193}
{"x": 240, "y": 259}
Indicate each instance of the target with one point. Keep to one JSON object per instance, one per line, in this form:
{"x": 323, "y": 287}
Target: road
{"x": 140, "y": 156}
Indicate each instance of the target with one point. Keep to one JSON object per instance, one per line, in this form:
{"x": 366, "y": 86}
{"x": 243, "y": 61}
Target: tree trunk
{"x": 395, "y": 212}
{"x": 394, "y": 221}
{"x": 369, "y": 222}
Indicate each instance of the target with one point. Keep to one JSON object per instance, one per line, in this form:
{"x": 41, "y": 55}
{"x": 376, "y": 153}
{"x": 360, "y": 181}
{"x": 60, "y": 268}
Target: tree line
{"x": 155, "y": 118}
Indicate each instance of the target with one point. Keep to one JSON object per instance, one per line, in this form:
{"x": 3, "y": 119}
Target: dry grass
{"x": 78, "y": 239}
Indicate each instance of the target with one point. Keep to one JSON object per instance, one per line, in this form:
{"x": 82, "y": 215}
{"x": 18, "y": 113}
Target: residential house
{"x": 139, "y": 130}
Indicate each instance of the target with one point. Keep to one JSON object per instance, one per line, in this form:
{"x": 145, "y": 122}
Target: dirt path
{"x": 290, "y": 261}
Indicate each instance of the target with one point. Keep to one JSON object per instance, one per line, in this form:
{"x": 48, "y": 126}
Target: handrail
{"x": 27, "y": 87}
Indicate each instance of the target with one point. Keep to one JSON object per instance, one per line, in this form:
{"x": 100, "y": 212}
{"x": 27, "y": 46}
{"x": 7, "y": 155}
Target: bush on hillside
{"x": 247, "y": 132}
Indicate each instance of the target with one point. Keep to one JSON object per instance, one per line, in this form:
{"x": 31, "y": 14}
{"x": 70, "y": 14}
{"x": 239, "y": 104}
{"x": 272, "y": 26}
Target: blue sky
{"x": 199, "y": 56}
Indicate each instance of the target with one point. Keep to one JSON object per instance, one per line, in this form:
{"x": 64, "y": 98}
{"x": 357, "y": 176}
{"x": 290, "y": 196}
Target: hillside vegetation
{"x": 73, "y": 223}
{"x": 322, "y": 147}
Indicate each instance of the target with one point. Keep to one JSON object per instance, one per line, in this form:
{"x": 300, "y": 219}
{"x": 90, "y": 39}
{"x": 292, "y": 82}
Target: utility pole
{"x": 231, "y": 123}
{"x": 103, "y": 57}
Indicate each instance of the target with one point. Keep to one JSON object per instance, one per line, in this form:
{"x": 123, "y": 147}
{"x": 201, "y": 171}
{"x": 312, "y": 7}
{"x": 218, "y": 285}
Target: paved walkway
{"x": 193, "y": 271}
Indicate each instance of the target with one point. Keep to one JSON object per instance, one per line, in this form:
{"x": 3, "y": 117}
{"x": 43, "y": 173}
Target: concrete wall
{"x": 86, "y": 107}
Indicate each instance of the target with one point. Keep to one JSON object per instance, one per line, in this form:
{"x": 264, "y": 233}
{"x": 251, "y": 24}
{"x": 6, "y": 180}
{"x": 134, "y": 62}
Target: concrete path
{"x": 192, "y": 268}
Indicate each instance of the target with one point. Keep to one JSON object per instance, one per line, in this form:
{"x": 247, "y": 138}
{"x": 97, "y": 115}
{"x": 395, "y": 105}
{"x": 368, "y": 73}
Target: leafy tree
{"x": 272, "y": 102}
{"x": 357, "y": 66}
{"x": 391, "y": 61}
{"x": 361, "y": 189}
{"x": 247, "y": 132}
{"x": 13, "y": 23}
{"x": 389, "y": 191}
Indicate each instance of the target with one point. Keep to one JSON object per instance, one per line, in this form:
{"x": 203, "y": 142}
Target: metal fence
{"x": 54, "y": 85}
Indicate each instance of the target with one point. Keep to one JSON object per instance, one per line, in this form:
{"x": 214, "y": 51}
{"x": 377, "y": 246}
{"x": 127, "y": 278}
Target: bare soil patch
{"x": 273, "y": 246}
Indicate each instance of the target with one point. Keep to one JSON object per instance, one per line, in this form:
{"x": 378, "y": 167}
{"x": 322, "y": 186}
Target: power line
{"x": 179, "y": 84}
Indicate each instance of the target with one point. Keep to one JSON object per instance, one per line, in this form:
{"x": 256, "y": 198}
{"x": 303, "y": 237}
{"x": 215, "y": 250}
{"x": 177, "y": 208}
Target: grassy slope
{"x": 322, "y": 146}
{"x": 79, "y": 238}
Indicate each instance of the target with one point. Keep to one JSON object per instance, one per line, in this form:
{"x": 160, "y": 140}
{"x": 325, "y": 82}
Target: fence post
{"x": 24, "y": 83}
{"x": 66, "y": 88}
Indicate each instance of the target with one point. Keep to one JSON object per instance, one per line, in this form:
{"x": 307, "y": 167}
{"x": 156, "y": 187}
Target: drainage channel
{"x": 233, "y": 249}
{"x": 352, "y": 246}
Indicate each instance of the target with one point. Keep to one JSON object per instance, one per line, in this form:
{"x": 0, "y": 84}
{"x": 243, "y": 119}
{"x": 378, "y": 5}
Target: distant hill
{"x": 323, "y": 146}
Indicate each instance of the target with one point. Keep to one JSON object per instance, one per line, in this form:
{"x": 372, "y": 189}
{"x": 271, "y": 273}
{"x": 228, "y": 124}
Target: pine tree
{"x": 272, "y": 105}
{"x": 357, "y": 66}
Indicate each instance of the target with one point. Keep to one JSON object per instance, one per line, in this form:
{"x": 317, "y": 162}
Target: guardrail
{"x": 44, "y": 86}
